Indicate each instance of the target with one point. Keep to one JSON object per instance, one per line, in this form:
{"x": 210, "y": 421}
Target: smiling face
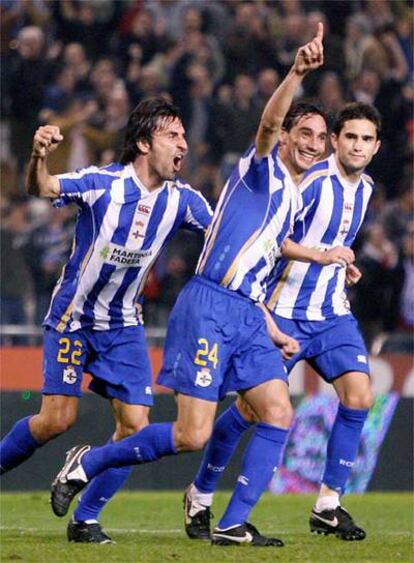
{"x": 166, "y": 151}
{"x": 304, "y": 144}
{"x": 355, "y": 146}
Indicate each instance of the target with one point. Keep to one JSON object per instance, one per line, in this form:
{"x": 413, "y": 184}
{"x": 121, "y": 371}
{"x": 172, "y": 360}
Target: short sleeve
{"x": 77, "y": 187}
{"x": 198, "y": 212}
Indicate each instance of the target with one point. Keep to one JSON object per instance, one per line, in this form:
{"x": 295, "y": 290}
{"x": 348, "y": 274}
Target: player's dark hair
{"x": 357, "y": 110}
{"x": 148, "y": 116}
{"x": 300, "y": 109}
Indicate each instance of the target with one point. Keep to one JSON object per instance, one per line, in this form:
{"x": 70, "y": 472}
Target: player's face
{"x": 305, "y": 143}
{"x": 356, "y": 145}
{"x": 167, "y": 150}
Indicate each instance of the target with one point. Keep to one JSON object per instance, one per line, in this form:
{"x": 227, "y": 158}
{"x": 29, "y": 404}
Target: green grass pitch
{"x": 148, "y": 526}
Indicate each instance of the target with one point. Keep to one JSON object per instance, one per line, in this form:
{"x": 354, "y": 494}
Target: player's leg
{"x": 198, "y": 498}
{"x": 121, "y": 372}
{"x": 57, "y": 414}
{"x": 345, "y": 365}
{"x": 192, "y": 368}
{"x": 355, "y": 398}
{"x": 84, "y": 526}
{"x": 83, "y": 463}
{"x": 227, "y": 432}
{"x": 64, "y": 356}
{"x": 271, "y": 404}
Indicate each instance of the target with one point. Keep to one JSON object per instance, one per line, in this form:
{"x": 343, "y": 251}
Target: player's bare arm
{"x": 308, "y": 58}
{"x": 337, "y": 255}
{"x": 287, "y": 344}
{"x": 38, "y": 181}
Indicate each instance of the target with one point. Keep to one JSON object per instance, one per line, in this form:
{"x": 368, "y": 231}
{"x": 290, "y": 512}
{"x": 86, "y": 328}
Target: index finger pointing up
{"x": 319, "y": 33}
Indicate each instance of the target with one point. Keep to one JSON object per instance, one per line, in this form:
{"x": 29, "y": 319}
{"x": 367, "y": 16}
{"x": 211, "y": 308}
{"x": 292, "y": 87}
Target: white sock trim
{"x": 205, "y": 499}
{"x": 327, "y": 502}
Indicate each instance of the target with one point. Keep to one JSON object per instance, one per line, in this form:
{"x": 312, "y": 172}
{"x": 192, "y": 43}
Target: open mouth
{"x": 307, "y": 156}
{"x": 177, "y": 160}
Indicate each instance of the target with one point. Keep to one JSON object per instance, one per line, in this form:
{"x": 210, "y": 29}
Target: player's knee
{"x": 245, "y": 410}
{"x": 279, "y": 413}
{"x": 191, "y": 440}
{"x": 129, "y": 428}
{"x": 52, "y": 425}
{"x": 360, "y": 400}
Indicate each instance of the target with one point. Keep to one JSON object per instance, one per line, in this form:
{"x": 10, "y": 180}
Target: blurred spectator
{"x": 379, "y": 12}
{"x": 330, "y": 92}
{"x": 87, "y": 22}
{"x": 201, "y": 90}
{"x": 362, "y": 50}
{"x": 398, "y": 214}
{"x": 375, "y": 302}
{"x": 366, "y": 86}
{"x": 103, "y": 79}
{"x": 197, "y": 52}
{"x": 404, "y": 32}
{"x": 143, "y": 40}
{"x": 176, "y": 275}
{"x": 46, "y": 250}
{"x": 234, "y": 123}
{"x": 407, "y": 293}
{"x": 74, "y": 58}
{"x": 59, "y": 93}
{"x": 249, "y": 46}
{"x": 81, "y": 142}
{"x": 396, "y": 67}
{"x": 28, "y": 78}
{"x": 294, "y": 30}
{"x": 267, "y": 82}
{"x": 15, "y": 280}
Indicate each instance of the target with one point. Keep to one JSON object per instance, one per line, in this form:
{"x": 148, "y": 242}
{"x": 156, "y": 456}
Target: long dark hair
{"x": 142, "y": 123}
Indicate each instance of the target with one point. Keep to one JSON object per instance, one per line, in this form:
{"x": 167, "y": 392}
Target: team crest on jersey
{"x": 120, "y": 256}
{"x": 144, "y": 209}
{"x": 138, "y": 232}
{"x": 69, "y": 375}
{"x": 203, "y": 378}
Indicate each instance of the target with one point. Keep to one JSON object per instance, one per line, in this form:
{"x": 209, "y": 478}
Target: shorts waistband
{"x": 216, "y": 287}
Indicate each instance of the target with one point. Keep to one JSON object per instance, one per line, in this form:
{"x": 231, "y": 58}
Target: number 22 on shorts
{"x": 206, "y": 353}
{"x": 66, "y": 355}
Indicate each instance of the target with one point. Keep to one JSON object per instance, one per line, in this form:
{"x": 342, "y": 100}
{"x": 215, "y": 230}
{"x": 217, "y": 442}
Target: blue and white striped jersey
{"x": 122, "y": 228}
{"x": 332, "y": 214}
{"x": 253, "y": 216}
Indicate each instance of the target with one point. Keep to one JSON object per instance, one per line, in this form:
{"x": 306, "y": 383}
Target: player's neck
{"x": 350, "y": 176}
{"x": 150, "y": 180}
{"x": 295, "y": 175}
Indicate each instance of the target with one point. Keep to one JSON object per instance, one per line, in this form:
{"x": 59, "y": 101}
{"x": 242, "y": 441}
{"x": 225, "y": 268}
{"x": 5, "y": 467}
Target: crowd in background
{"x": 83, "y": 65}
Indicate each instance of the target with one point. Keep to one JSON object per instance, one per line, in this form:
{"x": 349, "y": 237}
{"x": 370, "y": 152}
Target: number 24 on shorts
{"x": 206, "y": 353}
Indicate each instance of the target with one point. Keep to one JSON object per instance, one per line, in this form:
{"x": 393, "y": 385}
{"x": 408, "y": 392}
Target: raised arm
{"x": 308, "y": 57}
{"x": 38, "y": 181}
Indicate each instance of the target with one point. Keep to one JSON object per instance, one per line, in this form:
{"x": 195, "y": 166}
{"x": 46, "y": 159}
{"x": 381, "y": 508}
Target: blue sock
{"x": 343, "y": 446}
{"x": 259, "y": 463}
{"x": 151, "y": 443}
{"x": 100, "y": 491}
{"x": 227, "y": 431}
{"x": 17, "y": 446}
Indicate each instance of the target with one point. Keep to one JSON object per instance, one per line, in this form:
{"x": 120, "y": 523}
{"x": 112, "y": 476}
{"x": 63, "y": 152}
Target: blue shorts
{"x": 217, "y": 342}
{"x": 331, "y": 347}
{"x": 117, "y": 360}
